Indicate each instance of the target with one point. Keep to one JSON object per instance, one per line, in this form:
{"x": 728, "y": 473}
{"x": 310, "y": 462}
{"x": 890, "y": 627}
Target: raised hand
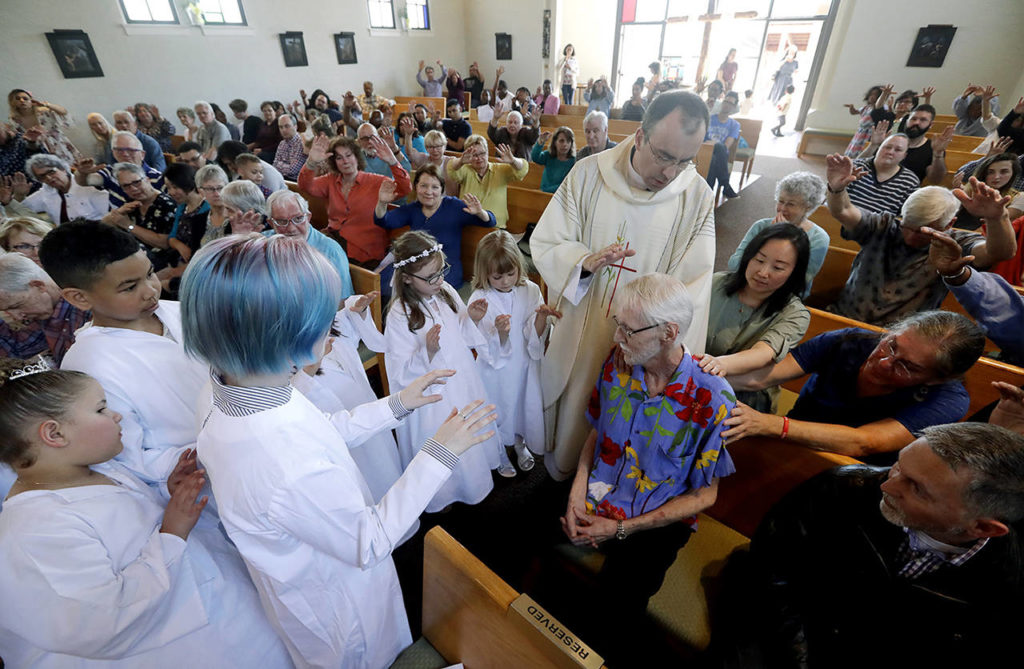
{"x": 1019, "y": 107}
{"x": 20, "y": 184}
{"x": 88, "y": 166}
{"x": 364, "y": 301}
{"x": 302, "y": 94}
{"x": 421, "y": 65}
{"x": 944, "y": 253}
{"x": 880, "y": 131}
{"x": 412, "y": 396}
{"x": 462, "y": 429}
{"x": 540, "y": 321}
{"x": 433, "y": 340}
{"x": 927, "y": 92}
{"x": 544, "y": 137}
{"x": 958, "y": 180}
{"x": 249, "y": 221}
{"x": 349, "y": 100}
{"x": 606, "y": 256}
{"x": 6, "y": 190}
{"x": 988, "y": 93}
{"x": 318, "y": 149}
{"x": 182, "y": 512}
{"x": 505, "y": 154}
{"x": 407, "y": 127}
{"x": 941, "y": 142}
{"x": 477, "y": 309}
{"x": 1009, "y": 412}
{"x": 840, "y": 171}
{"x": 473, "y": 205}
{"x": 985, "y": 202}
{"x": 1002, "y": 145}
{"x": 503, "y": 324}
{"x": 33, "y": 134}
{"x": 501, "y": 70}
{"x": 387, "y": 190}
{"x": 384, "y": 151}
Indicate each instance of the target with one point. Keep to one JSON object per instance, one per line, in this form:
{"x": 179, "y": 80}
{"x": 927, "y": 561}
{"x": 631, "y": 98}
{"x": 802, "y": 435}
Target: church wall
{"x": 872, "y": 39}
{"x": 590, "y": 26}
{"x": 176, "y": 65}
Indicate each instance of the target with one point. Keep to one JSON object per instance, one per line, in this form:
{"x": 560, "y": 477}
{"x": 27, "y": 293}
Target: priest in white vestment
{"x": 640, "y": 207}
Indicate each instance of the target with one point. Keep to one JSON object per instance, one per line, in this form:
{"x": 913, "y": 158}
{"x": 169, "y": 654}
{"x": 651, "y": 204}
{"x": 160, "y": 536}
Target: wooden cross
{"x": 621, "y": 266}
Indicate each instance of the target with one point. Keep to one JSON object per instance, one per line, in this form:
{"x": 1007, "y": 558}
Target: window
{"x": 149, "y": 11}
{"x": 382, "y": 14}
{"x": 419, "y": 14}
{"x": 222, "y": 12}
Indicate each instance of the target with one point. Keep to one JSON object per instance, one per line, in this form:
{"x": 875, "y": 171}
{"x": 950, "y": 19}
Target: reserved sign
{"x": 579, "y": 653}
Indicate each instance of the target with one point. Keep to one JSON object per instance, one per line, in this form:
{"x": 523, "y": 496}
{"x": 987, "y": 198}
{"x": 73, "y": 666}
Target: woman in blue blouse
{"x": 557, "y": 160}
{"x": 440, "y": 215}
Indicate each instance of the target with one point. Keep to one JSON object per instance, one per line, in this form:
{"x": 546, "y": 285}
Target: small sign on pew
{"x": 526, "y": 612}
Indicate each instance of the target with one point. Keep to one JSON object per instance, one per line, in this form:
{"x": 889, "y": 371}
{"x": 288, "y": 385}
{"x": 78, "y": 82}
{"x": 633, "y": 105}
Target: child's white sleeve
{"x": 534, "y": 343}
{"x": 363, "y": 325}
{"x": 406, "y": 357}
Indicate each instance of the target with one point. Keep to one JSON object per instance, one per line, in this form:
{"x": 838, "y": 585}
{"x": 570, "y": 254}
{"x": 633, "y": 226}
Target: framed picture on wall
{"x": 294, "y": 49}
{"x": 345, "y": 46}
{"x": 74, "y": 54}
{"x": 503, "y": 45}
{"x": 931, "y": 46}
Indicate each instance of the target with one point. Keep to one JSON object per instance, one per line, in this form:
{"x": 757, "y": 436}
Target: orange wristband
{"x": 785, "y": 427}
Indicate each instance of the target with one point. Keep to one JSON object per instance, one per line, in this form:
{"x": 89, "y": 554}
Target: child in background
{"x": 748, "y": 102}
{"x": 429, "y": 327}
{"x": 782, "y": 108}
{"x": 96, "y": 570}
{"x": 557, "y": 160}
{"x": 517, "y": 317}
{"x": 248, "y": 166}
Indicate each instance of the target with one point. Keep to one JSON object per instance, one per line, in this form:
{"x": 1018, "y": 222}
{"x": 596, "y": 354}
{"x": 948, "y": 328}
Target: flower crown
{"x": 34, "y": 368}
{"x": 411, "y": 259}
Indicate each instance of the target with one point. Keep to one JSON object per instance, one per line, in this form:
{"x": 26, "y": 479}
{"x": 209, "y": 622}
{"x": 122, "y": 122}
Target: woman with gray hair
{"x": 148, "y": 213}
{"x": 246, "y": 207}
{"x": 211, "y": 181}
{"x": 797, "y": 195}
{"x": 870, "y": 393}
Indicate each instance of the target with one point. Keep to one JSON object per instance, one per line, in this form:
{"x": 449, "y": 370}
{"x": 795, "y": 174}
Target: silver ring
{"x": 464, "y": 416}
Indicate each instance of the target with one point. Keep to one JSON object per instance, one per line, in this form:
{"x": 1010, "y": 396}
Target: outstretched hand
{"x": 318, "y": 149}
{"x": 986, "y": 202}
{"x": 364, "y": 301}
{"x": 477, "y": 309}
{"x": 840, "y": 171}
{"x": 1009, "y": 412}
{"x": 462, "y": 429}
{"x": 182, "y": 512}
{"x": 473, "y": 206}
{"x": 412, "y": 396}
{"x": 944, "y": 253}
{"x": 609, "y": 255}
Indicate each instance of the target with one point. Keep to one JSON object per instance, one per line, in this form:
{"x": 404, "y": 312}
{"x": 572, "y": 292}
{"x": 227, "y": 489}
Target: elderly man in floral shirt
{"x": 655, "y": 454}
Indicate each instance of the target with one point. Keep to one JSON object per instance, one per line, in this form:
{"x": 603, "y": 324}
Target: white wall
{"x": 589, "y": 25}
{"x": 175, "y": 66}
{"x": 524, "y": 20}
{"x": 872, "y": 39}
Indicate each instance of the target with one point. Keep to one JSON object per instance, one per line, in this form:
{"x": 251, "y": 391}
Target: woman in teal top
{"x": 796, "y": 196}
{"x": 756, "y": 314}
{"x": 558, "y": 160}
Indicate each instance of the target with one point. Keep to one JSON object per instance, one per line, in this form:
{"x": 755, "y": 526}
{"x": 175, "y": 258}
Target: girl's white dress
{"x": 512, "y": 373}
{"x": 406, "y": 359}
{"x": 88, "y": 580}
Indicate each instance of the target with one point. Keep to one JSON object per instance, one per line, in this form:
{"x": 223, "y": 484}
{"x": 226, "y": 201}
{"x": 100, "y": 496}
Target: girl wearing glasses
{"x": 429, "y": 327}
{"x": 870, "y": 393}
{"x": 756, "y": 312}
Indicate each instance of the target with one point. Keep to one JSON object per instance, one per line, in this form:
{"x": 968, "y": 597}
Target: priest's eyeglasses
{"x": 666, "y": 160}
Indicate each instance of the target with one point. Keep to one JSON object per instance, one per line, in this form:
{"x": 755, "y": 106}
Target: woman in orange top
{"x": 351, "y": 194}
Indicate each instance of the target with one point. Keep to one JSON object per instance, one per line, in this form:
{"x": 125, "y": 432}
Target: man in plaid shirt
{"x": 917, "y": 565}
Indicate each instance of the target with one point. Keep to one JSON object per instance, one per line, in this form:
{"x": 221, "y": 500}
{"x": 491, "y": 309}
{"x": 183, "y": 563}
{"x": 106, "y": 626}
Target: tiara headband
{"x": 433, "y": 249}
{"x": 34, "y": 368}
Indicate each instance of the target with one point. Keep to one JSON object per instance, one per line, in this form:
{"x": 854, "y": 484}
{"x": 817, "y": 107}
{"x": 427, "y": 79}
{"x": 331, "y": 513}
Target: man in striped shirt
{"x": 886, "y": 185}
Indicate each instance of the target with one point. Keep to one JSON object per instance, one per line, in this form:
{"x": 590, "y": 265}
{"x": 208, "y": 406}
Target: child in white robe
{"x": 517, "y": 319}
{"x": 291, "y": 498}
{"x": 96, "y": 571}
{"x": 429, "y": 327}
{"x": 132, "y": 346}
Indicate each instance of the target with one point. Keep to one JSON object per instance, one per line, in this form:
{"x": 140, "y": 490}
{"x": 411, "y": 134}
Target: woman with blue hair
{"x": 289, "y": 494}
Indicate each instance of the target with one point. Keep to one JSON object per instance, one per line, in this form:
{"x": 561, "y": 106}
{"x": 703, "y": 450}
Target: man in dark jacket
{"x": 917, "y": 565}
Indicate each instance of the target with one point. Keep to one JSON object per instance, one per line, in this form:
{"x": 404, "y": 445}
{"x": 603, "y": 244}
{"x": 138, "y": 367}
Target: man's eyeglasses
{"x": 125, "y": 150}
{"x": 285, "y": 222}
{"x": 132, "y": 184}
{"x": 629, "y": 333}
{"x": 435, "y": 277}
{"x": 665, "y": 160}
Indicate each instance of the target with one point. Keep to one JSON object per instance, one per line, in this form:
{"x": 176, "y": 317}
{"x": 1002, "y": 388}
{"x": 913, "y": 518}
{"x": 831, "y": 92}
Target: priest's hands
{"x": 412, "y": 396}
{"x": 463, "y": 428}
{"x": 609, "y": 255}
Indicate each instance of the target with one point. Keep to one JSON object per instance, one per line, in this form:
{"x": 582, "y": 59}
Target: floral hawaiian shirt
{"x": 651, "y": 449}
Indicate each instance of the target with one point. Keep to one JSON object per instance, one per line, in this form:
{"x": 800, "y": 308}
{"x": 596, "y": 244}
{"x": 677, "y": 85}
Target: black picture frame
{"x": 931, "y": 46}
{"x": 345, "y": 47}
{"x": 74, "y": 54}
{"x": 294, "y": 49}
{"x": 503, "y": 46}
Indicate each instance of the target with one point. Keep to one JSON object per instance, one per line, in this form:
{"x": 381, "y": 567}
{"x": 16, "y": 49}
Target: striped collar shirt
{"x": 239, "y": 401}
{"x": 870, "y": 194}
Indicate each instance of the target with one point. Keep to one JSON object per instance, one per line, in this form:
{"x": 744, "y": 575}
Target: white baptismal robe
{"x": 317, "y": 546}
{"x": 150, "y": 381}
{"x": 88, "y": 574}
{"x": 671, "y": 230}
{"x": 511, "y": 374}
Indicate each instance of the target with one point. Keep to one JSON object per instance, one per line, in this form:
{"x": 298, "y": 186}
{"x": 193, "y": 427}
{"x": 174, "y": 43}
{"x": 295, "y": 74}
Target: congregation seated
{"x": 474, "y": 85}
{"x": 595, "y": 130}
{"x": 1012, "y": 128}
{"x": 126, "y": 148}
{"x": 23, "y": 235}
{"x": 251, "y": 167}
{"x": 557, "y": 159}
{"x": 147, "y": 213}
{"x": 352, "y": 194}
{"x": 189, "y": 124}
{"x": 211, "y": 133}
{"x": 431, "y": 86}
{"x": 370, "y": 101}
{"x": 124, "y": 121}
{"x": 935, "y": 537}
{"x": 102, "y": 132}
{"x": 407, "y": 136}
{"x": 290, "y": 155}
{"x": 519, "y": 137}
{"x": 925, "y": 156}
{"x": 151, "y": 123}
{"x": 456, "y": 129}
{"x": 61, "y": 198}
{"x": 890, "y": 276}
{"x": 46, "y": 322}
{"x": 485, "y": 180}
{"x": 797, "y": 195}
{"x": 265, "y": 135}
{"x": 191, "y": 212}
{"x": 756, "y": 313}
{"x": 246, "y": 207}
{"x": 210, "y": 182}
{"x": 16, "y": 147}
{"x": 248, "y": 124}
{"x": 869, "y": 393}
{"x": 442, "y": 216}
{"x": 885, "y": 184}
{"x": 546, "y": 100}
{"x": 725, "y": 133}
{"x": 999, "y": 172}
{"x": 633, "y": 108}
{"x": 599, "y": 96}
{"x": 454, "y": 86}
{"x": 970, "y": 119}
{"x": 377, "y": 162}
{"x": 190, "y": 154}
{"x": 233, "y": 132}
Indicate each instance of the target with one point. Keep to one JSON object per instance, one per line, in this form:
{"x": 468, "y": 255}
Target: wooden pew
{"x": 533, "y": 177}
{"x": 407, "y": 102}
{"x": 176, "y": 141}
{"x": 525, "y": 206}
{"x": 823, "y": 217}
{"x": 572, "y": 110}
{"x": 946, "y": 118}
{"x": 703, "y": 159}
{"x": 750, "y": 130}
{"x": 957, "y": 159}
{"x": 472, "y": 616}
{"x": 317, "y": 206}
{"x": 978, "y": 379}
{"x": 363, "y": 282}
{"x": 961, "y": 142}
{"x": 821, "y": 142}
{"x": 832, "y": 277}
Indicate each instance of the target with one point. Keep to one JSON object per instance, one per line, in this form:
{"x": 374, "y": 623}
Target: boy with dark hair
{"x": 132, "y": 346}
